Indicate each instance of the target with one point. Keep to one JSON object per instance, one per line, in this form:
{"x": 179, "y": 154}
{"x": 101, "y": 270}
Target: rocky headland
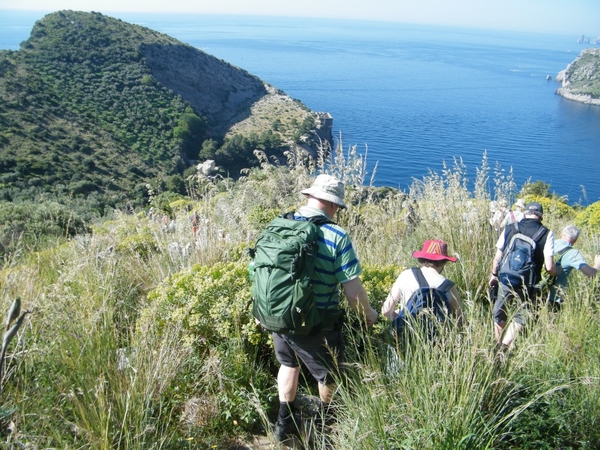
{"x": 581, "y": 79}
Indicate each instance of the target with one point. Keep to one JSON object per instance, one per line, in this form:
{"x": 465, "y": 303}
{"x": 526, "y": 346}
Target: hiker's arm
{"x": 359, "y": 301}
{"x": 454, "y": 304}
{"x": 388, "y": 309}
{"x": 549, "y": 254}
{"x": 549, "y": 264}
{"x": 591, "y": 271}
{"x": 495, "y": 267}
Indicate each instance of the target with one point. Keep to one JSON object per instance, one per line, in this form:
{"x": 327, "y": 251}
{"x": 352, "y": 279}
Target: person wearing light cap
{"x": 530, "y": 226}
{"x": 516, "y": 214}
{"x": 432, "y": 259}
{"x": 336, "y": 263}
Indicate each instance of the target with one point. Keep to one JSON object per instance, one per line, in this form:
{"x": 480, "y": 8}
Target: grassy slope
{"x": 142, "y": 337}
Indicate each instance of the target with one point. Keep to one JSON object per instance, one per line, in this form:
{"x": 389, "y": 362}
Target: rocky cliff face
{"x": 581, "y": 79}
{"x": 217, "y": 90}
{"x": 233, "y": 100}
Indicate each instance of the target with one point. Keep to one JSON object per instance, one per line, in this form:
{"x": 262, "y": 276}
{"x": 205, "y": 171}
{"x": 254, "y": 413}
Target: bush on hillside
{"x": 378, "y": 281}
{"x": 553, "y": 206}
{"x": 589, "y": 217}
{"x": 32, "y": 223}
{"x": 141, "y": 244}
{"x": 536, "y": 189}
{"x": 211, "y": 303}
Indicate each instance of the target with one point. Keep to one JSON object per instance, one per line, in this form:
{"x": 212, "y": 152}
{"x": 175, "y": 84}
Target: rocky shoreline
{"x": 588, "y": 99}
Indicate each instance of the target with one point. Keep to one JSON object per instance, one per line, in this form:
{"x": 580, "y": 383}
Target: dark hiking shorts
{"x": 517, "y": 300}
{"x": 320, "y": 353}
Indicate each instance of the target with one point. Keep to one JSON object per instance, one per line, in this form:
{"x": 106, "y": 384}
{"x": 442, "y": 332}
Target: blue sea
{"x": 415, "y": 96}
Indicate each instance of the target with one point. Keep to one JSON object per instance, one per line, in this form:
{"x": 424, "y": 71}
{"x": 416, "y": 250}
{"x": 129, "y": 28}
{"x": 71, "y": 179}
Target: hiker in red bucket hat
{"x": 432, "y": 258}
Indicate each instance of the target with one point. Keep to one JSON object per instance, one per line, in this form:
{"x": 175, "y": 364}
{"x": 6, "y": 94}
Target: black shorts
{"x": 320, "y": 353}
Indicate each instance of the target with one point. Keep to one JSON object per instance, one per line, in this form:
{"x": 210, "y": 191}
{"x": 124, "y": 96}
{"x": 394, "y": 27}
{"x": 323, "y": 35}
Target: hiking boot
{"x": 285, "y": 429}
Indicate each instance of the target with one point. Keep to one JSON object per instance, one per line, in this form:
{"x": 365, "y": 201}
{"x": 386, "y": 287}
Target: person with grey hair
{"x": 568, "y": 258}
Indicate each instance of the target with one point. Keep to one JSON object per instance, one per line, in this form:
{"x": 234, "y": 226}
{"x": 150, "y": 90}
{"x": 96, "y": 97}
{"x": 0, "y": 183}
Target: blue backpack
{"x": 426, "y": 308}
{"x": 517, "y": 267}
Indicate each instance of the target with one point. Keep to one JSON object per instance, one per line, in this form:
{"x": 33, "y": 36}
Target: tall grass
{"x": 140, "y": 336}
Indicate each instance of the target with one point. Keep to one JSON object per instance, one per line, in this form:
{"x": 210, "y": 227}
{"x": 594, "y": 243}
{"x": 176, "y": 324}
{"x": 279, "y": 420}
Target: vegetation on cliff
{"x": 93, "y": 108}
{"x": 581, "y": 79}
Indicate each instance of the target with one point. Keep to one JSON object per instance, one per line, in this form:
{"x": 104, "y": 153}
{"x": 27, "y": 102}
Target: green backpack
{"x": 281, "y": 268}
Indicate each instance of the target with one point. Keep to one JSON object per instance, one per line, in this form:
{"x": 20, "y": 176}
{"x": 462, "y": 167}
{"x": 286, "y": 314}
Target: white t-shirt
{"x": 404, "y": 286}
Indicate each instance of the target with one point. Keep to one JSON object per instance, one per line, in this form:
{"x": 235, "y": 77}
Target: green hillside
{"x": 96, "y": 108}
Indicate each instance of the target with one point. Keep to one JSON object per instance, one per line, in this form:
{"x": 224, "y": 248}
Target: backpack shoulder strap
{"x": 562, "y": 252}
{"x": 418, "y": 274}
{"x": 320, "y": 220}
{"x": 539, "y": 233}
{"x": 317, "y": 220}
{"x": 509, "y": 232}
{"x": 445, "y": 286}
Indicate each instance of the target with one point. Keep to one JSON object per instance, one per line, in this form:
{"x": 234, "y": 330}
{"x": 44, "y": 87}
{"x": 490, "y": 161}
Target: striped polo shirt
{"x": 336, "y": 260}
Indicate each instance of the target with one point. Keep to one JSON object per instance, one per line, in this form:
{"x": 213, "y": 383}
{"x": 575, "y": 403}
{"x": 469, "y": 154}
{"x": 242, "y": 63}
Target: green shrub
{"x": 378, "y": 281}
{"x": 589, "y": 217}
{"x": 210, "y": 305}
{"x": 181, "y": 204}
{"x": 142, "y": 244}
{"x": 260, "y": 216}
{"x": 536, "y": 189}
{"x": 211, "y": 302}
{"x": 32, "y": 224}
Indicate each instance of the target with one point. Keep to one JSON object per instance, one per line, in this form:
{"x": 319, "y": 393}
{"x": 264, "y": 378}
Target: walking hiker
{"x": 335, "y": 263}
{"x": 514, "y": 215}
{"x": 498, "y": 211}
{"x": 432, "y": 260}
{"x": 568, "y": 258}
{"x": 195, "y": 220}
{"x": 521, "y": 251}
